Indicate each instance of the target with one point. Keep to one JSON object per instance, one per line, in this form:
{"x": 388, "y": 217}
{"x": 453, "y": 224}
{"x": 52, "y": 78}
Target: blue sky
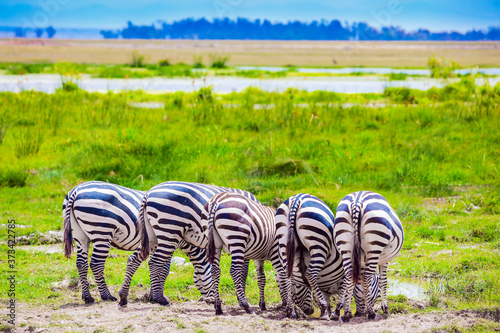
{"x": 437, "y": 15}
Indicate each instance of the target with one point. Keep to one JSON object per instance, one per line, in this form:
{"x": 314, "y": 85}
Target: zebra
{"x": 106, "y": 215}
{"x": 368, "y": 234}
{"x": 168, "y": 211}
{"x": 247, "y": 230}
{"x": 305, "y": 223}
{"x": 302, "y": 295}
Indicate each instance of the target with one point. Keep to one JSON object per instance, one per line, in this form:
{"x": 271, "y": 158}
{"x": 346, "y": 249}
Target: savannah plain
{"x": 433, "y": 154}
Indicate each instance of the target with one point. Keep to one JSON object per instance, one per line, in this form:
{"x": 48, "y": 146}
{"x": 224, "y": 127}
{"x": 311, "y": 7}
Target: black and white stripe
{"x": 246, "y": 229}
{"x": 106, "y": 215}
{"x": 368, "y": 234}
{"x": 305, "y": 224}
{"x": 167, "y": 212}
{"x": 329, "y": 282}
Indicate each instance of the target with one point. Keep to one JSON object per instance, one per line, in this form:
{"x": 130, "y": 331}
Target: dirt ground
{"x": 199, "y": 317}
{"x": 281, "y": 53}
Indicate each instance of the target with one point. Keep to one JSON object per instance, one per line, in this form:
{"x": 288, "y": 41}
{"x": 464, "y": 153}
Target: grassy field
{"x": 434, "y": 155}
{"x": 277, "y": 53}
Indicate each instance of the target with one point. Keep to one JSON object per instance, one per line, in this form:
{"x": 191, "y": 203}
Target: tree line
{"x": 39, "y": 32}
{"x": 242, "y": 28}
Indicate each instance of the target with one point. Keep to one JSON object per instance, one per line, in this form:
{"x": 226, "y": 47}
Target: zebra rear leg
{"x": 261, "y": 281}
{"x": 244, "y": 275}
{"x": 215, "y": 286}
{"x": 82, "y": 265}
{"x": 159, "y": 269}
{"x": 99, "y": 256}
{"x": 367, "y": 274}
{"x": 383, "y": 287}
{"x": 237, "y": 264}
{"x": 133, "y": 264}
{"x": 312, "y": 278}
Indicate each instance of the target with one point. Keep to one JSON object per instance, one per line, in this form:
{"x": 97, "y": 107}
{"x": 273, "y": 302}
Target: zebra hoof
{"x": 163, "y": 301}
{"x": 290, "y": 313}
{"x": 89, "y": 300}
{"x": 385, "y": 309}
{"x": 371, "y": 316}
{"x": 262, "y": 306}
{"x": 110, "y": 298}
{"x": 334, "y": 317}
{"x": 324, "y": 315}
{"x": 123, "y": 301}
{"x": 218, "y": 309}
{"x": 347, "y": 317}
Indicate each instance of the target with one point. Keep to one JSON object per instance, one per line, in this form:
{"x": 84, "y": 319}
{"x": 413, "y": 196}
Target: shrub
{"x": 400, "y": 95}
{"x": 198, "y": 61}
{"x": 137, "y": 60}
{"x": 218, "y": 60}
{"x": 442, "y": 68}
{"x": 164, "y": 63}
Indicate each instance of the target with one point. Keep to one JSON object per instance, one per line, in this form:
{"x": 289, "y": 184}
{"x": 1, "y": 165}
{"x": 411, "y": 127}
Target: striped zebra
{"x": 169, "y": 211}
{"x": 305, "y": 223}
{"x": 368, "y": 234}
{"x": 246, "y": 229}
{"x": 329, "y": 282}
{"x": 106, "y": 215}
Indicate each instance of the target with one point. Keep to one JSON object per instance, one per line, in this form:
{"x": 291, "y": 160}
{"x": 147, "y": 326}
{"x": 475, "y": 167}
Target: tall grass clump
{"x": 137, "y": 60}
{"x": 442, "y": 68}
{"x": 69, "y": 74}
{"x": 27, "y": 142}
{"x": 198, "y": 61}
{"x": 218, "y": 60}
{"x": 13, "y": 178}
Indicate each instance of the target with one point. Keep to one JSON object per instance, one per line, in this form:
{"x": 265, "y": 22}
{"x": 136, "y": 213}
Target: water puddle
{"x": 411, "y": 288}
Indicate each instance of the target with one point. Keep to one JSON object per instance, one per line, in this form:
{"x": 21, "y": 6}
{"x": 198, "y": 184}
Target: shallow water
{"x": 412, "y": 288}
{"x": 367, "y": 70}
{"x": 49, "y": 83}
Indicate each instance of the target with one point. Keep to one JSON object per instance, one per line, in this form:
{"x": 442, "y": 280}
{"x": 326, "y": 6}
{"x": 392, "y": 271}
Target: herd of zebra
{"x": 314, "y": 254}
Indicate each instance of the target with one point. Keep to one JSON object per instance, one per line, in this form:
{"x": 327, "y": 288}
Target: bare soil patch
{"x": 195, "y": 316}
{"x": 272, "y": 53}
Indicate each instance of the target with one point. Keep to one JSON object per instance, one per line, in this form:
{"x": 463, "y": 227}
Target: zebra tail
{"x": 356, "y": 254}
{"x": 290, "y": 246}
{"x": 67, "y": 213}
{"x": 144, "y": 251}
{"x": 212, "y": 207}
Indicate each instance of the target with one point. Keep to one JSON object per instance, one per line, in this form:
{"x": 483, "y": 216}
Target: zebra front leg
{"x": 99, "y": 256}
{"x": 215, "y": 279}
{"x": 346, "y": 300}
{"x": 383, "y": 287}
{"x": 133, "y": 264}
{"x": 261, "y": 281}
{"x": 289, "y": 309}
{"x": 82, "y": 264}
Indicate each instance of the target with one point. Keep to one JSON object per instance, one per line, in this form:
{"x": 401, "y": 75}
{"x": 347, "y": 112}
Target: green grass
{"x": 435, "y": 160}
